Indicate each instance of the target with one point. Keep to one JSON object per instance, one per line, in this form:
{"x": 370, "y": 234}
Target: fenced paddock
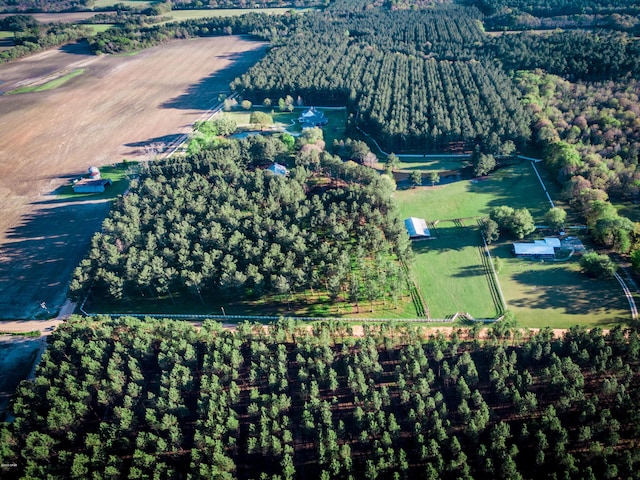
{"x": 454, "y": 276}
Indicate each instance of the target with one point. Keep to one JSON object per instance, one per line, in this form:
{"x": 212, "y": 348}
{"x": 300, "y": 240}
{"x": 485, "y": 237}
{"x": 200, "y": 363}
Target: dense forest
{"x": 411, "y": 77}
{"x": 549, "y": 14}
{"x": 217, "y": 223}
{"x": 159, "y": 399}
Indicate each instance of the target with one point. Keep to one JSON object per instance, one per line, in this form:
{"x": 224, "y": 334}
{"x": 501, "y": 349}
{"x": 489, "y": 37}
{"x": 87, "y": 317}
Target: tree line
{"x": 147, "y": 398}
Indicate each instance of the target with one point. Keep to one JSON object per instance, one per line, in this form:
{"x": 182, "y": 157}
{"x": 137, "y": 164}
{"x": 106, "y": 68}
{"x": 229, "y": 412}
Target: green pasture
{"x": 515, "y": 186}
{"x": 119, "y": 174}
{"x": 55, "y": 83}
{"x": 452, "y": 278}
{"x": 545, "y": 293}
{"x": 4, "y": 34}
{"x": 450, "y": 272}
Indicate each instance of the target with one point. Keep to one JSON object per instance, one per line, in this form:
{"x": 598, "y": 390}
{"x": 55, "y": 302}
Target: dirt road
{"x": 111, "y": 112}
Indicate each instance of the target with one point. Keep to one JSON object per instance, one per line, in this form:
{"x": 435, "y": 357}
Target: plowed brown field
{"x": 119, "y": 105}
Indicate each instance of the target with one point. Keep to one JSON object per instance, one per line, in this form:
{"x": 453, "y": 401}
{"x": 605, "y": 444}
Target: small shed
{"x": 417, "y": 228}
{"x": 88, "y": 185}
{"x": 278, "y": 170}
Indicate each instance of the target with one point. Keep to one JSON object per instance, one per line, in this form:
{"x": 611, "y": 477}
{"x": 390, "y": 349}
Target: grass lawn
{"x": 557, "y": 294}
{"x": 289, "y": 120}
{"x": 55, "y": 83}
{"x": 5, "y": 34}
{"x": 119, "y": 175}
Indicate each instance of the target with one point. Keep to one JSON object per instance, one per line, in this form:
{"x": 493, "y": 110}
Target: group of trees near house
{"x": 412, "y": 78}
{"x": 158, "y": 399}
{"x": 217, "y": 223}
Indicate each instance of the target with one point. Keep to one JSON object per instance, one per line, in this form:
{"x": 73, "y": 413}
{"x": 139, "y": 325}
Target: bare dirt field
{"x": 111, "y": 112}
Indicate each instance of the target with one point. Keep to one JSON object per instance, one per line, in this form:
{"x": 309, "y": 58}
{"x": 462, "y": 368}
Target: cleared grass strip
{"x": 55, "y": 83}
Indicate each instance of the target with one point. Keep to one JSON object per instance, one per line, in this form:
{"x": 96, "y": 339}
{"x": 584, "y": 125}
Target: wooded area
{"x": 155, "y": 398}
{"x": 215, "y": 222}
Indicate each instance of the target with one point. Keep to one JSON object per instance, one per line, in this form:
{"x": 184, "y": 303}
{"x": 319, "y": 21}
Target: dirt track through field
{"x": 112, "y": 111}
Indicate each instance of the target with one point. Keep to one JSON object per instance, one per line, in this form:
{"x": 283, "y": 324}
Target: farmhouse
{"x": 278, "y": 170}
{"x": 545, "y": 248}
{"x": 417, "y": 228}
{"x": 313, "y": 118}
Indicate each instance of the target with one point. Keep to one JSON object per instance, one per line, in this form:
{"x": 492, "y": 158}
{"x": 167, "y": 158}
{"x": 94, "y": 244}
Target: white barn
{"x": 417, "y": 228}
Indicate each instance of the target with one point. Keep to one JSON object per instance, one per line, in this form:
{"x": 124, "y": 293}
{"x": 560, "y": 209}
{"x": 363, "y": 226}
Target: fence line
{"x": 271, "y": 318}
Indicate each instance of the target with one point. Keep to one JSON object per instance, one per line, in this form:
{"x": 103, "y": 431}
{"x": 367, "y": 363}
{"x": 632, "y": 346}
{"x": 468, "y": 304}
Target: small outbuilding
{"x": 88, "y": 185}
{"x": 417, "y": 228}
{"x": 278, "y": 170}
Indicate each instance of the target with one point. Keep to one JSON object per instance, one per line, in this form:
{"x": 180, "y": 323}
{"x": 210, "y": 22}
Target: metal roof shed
{"x": 417, "y": 227}
{"x": 533, "y": 250}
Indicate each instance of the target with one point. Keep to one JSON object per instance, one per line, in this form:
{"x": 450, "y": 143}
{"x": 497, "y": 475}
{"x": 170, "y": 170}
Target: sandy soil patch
{"x": 112, "y": 111}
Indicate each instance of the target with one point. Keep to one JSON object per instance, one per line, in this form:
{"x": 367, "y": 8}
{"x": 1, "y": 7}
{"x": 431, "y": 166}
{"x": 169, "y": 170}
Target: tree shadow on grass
{"x": 204, "y": 94}
{"x": 471, "y": 271}
{"x": 38, "y": 256}
{"x": 559, "y": 288}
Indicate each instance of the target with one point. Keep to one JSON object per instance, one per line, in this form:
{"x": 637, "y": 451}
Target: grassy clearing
{"x": 99, "y": 27}
{"x": 5, "y": 34}
{"x": 55, "y": 83}
{"x": 119, "y": 175}
{"x": 448, "y": 269}
{"x": 431, "y": 164}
